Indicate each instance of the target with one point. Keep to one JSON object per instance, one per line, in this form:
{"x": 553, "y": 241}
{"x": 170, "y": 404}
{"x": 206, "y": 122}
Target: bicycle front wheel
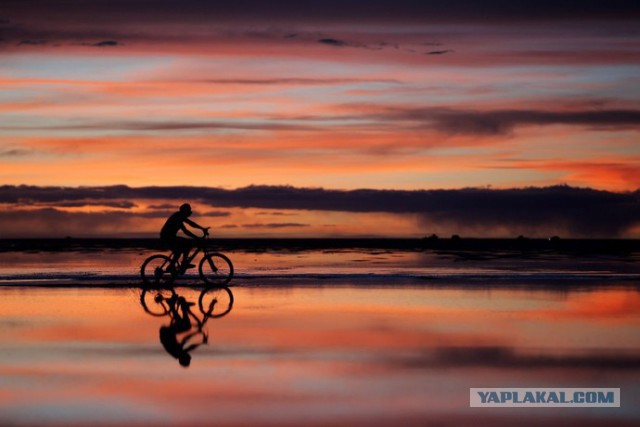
{"x": 216, "y": 301}
{"x": 216, "y": 269}
{"x": 157, "y": 270}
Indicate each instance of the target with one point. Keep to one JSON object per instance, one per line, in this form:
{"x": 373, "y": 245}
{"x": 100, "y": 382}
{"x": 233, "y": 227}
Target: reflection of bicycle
{"x": 162, "y": 270}
{"x": 213, "y": 302}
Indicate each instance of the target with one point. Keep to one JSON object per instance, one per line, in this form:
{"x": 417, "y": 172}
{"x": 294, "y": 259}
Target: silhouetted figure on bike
{"x": 162, "y": 270}
{"x": 180, "y": 245}
{"x": 181, "y": 323}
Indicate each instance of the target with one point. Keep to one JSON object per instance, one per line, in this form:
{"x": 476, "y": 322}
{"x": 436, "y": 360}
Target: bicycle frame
{"x": 189, "y": 259}
{"x": 202, "y": 247}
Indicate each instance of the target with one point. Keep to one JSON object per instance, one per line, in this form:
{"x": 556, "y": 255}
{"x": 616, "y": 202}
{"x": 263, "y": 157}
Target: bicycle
{"x": 215, "y": 269}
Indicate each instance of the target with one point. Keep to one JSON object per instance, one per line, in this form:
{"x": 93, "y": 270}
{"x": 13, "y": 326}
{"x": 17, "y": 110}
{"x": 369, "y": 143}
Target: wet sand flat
{"x": 318, "y": 355}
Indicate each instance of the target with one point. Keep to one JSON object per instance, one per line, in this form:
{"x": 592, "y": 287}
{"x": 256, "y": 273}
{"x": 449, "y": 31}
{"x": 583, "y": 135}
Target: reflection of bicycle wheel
{"x": 215, "y": 302}
{"x": 216, "y": 269}
{"x": 156, "y": 271}
{"x": 154, "y": 301}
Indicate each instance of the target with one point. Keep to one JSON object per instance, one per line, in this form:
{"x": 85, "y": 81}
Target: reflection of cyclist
{"x": 180, "y": 323}
{"x": 180, "y": 245}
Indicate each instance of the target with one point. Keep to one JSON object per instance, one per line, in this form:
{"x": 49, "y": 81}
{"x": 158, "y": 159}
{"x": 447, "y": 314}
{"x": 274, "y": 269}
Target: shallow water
{"x": 332, "y": 355}
{"x": 118, "y": 266}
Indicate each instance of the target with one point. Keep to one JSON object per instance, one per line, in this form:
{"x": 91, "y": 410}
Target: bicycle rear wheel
{"x": 155, "y": 301}
{"x": 158, "y": 270}
{"x": 215, "y": 302}
{"x": 216, "y": 269}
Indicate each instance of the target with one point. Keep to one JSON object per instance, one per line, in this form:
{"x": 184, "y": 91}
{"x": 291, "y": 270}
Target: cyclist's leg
{"x": 175, "y": 249}
{"x": 183, "y": 322}
{"x": 175, "y": 256}
{"x": 184, "y": 246}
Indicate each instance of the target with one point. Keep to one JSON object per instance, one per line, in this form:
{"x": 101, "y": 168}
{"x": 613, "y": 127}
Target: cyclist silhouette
{"x": 180, "y": 245}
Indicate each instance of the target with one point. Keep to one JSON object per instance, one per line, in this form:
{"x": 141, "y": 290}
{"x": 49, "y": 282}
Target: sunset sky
{"x": 313, "y": 100}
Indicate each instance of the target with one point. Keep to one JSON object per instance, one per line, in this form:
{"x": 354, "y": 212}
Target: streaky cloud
{"x": 275, "y": 225}
{"x": 499, "y": 122}
{"x": 29, "y": 42}
{"x": 109, "y": 204}
{"x": 333, "y": 42}
{"x": 440, "y": 52}
{"x": 155, "y": 126}
{"x": 14, "y": 152}
{"x": 445, "y": 120}
{"x": 297, "y": 81}
{"x": 105, "y": 43}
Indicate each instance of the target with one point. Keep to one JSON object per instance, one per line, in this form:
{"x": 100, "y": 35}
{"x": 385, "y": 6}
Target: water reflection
{"x": 185, "y": 330}
{"x": 335, "y": 355}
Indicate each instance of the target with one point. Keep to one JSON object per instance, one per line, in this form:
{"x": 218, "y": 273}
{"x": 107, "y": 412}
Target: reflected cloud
{"x": 509, "y": 357}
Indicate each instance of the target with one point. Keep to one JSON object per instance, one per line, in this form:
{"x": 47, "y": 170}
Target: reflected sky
{"x": 337, "y": 355}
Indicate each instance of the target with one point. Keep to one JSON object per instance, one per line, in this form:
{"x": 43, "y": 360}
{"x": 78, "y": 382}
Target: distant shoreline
{"x": 573, "y": 246}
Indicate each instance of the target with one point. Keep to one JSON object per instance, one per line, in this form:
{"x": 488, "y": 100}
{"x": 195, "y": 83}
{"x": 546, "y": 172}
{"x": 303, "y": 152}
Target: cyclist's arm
{"x": 188, "y": 343}
{"x": 186, "y": 231}
{"x": 191, "y": 347}
{"x": 196, "y": 321}
{"x": 194, "y": 224}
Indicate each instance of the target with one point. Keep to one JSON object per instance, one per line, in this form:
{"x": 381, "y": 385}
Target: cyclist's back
{"x": 169, "y": 234}
{"x": 173, "y": 225}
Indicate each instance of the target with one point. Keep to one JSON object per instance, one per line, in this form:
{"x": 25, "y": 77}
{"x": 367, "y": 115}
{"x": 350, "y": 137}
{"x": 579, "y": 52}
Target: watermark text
{"x": 544, "y": 397}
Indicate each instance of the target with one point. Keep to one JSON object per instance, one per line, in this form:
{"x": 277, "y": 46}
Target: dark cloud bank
{"x": 581, "y": 212}
{"x": 321, "y": 11}
{"x": 109, "y": 23}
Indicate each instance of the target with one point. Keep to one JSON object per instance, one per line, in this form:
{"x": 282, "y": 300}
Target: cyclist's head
{"x": 186, "y": 209}
{"x": 185, "y": 360}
